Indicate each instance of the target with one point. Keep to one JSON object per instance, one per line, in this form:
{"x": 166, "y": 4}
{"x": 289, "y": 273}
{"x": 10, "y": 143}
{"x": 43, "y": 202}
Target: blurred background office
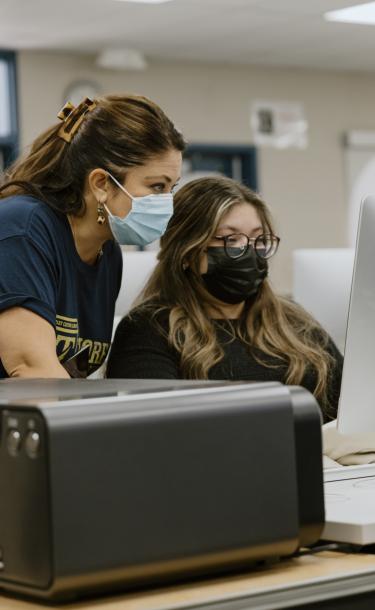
{"x": 277, "y": 93}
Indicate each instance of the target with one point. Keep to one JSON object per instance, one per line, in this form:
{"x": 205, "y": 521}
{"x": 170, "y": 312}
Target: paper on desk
{"x": 328, "y": 463}
{"x": 347, "y": 449}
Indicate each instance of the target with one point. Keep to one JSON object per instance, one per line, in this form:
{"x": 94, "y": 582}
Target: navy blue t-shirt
{"x": 40, "y": 269}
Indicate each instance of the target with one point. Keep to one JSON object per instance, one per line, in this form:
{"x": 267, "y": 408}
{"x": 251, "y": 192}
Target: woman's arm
{"x": 140, "y": 351}
{"x": 28, "y": 345}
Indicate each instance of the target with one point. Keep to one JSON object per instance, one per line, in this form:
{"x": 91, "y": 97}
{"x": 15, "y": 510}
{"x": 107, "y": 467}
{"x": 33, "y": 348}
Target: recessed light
{"x": 121, "y": 59}
{"x": 363, "y": 14}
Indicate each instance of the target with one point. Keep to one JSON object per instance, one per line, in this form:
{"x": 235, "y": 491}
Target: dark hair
{"x": 122, "y": 131}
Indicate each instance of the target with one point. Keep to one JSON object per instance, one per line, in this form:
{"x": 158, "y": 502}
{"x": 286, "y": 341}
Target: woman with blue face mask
{"x": 100, "y": 178}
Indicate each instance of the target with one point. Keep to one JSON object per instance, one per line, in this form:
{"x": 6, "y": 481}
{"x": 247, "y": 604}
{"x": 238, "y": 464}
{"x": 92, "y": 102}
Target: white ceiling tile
{"x": 269, "y": 32}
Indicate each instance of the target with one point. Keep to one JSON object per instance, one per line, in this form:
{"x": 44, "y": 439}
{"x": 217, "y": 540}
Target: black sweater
{"x": 140, "y": 351}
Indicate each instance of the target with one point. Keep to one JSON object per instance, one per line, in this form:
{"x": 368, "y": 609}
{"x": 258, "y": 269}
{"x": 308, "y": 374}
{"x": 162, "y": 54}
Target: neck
{"x": 88, "y": 236}
{"x": 226, "y": 310}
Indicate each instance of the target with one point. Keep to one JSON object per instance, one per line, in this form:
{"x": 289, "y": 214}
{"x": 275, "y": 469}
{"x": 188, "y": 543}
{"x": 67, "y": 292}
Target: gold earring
{"x": 101, "y": 216}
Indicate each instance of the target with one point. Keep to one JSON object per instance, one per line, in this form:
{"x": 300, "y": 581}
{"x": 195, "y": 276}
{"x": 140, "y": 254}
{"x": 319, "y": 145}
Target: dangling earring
{"x": 101, "y": 216}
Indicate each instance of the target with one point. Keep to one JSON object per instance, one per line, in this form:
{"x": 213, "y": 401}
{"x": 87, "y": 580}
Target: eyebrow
{"x": 161, "y": 176}
{"x": 235, "y": 230}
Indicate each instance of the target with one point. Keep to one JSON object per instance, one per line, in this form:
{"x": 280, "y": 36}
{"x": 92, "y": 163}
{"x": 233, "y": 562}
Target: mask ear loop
{"x": 120, "y": 185}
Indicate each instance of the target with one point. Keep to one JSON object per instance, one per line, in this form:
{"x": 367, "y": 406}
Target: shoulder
{"x": 146, "y": 323}
{"x": 141, "y": 349}
{"x": 26, "y": 216}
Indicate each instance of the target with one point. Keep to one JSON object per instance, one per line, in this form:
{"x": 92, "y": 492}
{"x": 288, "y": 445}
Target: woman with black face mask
{"x": 208, "y": 310}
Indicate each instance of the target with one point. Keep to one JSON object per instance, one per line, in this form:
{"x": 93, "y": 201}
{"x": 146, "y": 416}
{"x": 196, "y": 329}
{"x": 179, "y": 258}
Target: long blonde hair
{"x": 272, "y": 324}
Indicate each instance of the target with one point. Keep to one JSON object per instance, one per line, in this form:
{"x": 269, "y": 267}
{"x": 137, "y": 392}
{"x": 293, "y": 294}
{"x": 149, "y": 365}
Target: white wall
{"x": 305, "y": 188}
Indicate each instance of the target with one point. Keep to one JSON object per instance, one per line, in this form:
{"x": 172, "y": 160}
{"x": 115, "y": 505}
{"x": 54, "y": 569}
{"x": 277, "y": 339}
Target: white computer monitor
{"x": 322, "y": 279}
{"x": 356, "y": 412}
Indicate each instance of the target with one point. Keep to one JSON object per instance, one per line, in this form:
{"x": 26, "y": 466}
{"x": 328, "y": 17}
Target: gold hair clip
{"x": 65, "y": 111}
{"x": 72, "y": 117}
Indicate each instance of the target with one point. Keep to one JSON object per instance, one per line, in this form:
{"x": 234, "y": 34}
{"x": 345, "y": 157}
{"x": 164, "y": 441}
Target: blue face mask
{"x": 146, "y": 221}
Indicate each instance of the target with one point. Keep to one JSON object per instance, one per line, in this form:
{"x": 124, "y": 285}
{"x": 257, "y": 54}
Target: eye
{"x": 232, "y": 240}
{"x": 158, "y": 187}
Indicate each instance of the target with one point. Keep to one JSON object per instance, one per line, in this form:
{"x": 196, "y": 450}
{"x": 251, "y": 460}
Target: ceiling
{"x": 264, "y": 32}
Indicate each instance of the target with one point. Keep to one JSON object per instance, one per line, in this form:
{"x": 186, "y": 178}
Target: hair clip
{"x": 65, "y": 111}
{"x": 72, "y": 117}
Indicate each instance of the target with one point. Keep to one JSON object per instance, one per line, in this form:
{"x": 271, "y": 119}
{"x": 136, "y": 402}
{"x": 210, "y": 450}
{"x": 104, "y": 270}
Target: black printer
{"x": 109, "y": 484}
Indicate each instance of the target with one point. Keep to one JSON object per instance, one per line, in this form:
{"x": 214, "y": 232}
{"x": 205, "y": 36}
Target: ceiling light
{"x": 360, "y": 13}
{"x": 146, "y": 1}
{"x": 121, "y": 59}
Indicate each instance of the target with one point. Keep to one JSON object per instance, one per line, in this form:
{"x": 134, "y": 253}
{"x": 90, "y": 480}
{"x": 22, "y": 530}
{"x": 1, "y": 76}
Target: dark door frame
{"x": 247, "y": 154}
{"x": 9, "y": 144}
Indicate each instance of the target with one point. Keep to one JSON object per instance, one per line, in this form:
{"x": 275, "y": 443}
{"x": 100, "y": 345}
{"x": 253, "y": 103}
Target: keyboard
{"x": 350, "y": 504}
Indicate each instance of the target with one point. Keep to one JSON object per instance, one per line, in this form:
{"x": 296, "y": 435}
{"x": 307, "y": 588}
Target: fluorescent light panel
{"x": 363, "y": 14}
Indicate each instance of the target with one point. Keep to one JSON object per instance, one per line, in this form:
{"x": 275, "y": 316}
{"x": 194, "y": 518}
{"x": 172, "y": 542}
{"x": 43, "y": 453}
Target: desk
{"x": 291, "y": 583}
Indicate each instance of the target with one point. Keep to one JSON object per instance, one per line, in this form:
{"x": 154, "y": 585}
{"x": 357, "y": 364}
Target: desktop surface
{"x": 297, "y": 582}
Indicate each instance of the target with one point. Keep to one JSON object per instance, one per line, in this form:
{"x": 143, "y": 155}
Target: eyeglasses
{"x": 237, "y": 244}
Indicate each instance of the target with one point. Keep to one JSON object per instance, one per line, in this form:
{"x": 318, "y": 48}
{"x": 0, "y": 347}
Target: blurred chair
{"x": 138, "y": 267}
{"x": 321, "y": 284}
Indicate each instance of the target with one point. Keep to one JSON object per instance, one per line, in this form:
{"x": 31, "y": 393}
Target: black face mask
{"x": 233, "y": 280}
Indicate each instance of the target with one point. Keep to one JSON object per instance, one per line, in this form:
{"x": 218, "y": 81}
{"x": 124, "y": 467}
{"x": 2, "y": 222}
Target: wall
{"x": 305, "y": 188}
